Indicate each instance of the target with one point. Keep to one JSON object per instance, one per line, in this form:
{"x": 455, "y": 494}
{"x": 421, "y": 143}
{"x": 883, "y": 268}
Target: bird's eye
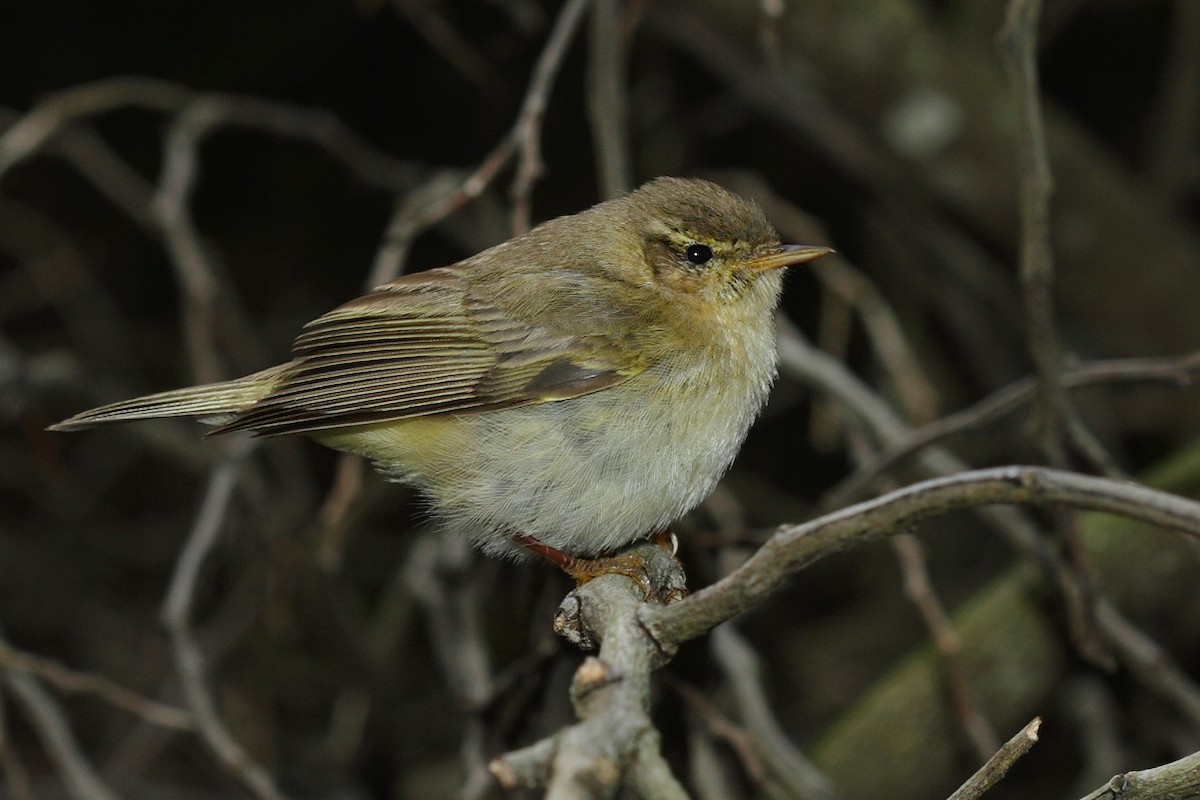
{"x": 698, "y": 253}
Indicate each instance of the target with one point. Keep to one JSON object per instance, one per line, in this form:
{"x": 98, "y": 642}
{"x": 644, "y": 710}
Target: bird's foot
{"x": 651, "y": 564}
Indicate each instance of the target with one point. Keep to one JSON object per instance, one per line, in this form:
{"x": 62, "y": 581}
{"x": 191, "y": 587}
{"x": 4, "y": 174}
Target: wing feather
{"x": 423, "y": 345}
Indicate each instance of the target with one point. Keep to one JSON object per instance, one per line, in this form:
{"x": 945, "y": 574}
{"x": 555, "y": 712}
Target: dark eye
{"x": 698, "y": 253}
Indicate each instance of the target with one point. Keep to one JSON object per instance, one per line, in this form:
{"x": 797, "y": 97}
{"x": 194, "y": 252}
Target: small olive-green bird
{"x": 584, "y": 384}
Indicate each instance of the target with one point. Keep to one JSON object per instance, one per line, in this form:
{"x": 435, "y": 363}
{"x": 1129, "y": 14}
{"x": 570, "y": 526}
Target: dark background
{"x": 91, "y": 524}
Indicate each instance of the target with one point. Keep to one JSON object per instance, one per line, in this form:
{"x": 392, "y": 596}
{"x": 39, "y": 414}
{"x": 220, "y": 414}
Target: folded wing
{"x": 424, "y": 345}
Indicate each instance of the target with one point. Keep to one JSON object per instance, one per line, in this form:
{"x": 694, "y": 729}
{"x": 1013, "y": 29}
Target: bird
{"x": 580, "y": 386}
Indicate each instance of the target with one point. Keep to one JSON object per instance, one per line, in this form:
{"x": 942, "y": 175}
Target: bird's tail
{"x": 212, "y": 402}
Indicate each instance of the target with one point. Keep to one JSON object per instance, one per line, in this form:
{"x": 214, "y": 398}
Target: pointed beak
{"x": 788, "y": 255}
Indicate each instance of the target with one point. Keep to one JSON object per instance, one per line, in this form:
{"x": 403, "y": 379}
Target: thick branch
{"x": 614, "y": 742}
{"x": 1175, "y": 781}
{"x": 794, "y": 547}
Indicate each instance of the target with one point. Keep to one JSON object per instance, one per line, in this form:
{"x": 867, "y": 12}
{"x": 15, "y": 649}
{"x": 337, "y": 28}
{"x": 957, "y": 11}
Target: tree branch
{"x": 998, "y": 765}
{"x": 1178, "y": 780}
{"x": 794, "y": 547}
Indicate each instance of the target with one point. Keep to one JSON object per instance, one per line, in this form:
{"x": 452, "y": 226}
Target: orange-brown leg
{"x": 630, "y": 563}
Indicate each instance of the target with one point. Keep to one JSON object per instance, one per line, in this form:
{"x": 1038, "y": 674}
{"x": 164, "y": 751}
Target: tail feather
{"x": 213, "y": 401}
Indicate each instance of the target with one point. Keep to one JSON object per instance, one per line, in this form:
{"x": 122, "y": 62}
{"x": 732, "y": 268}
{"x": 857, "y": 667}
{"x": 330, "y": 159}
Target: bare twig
{"x": 1019, "y": 38}
{"x": 998, "y": 765}
{"x": 446, "y": 193}
{"x": 719, "y": 726}
{"x": 331, "y": 518}
{"x": 197, "y": 275}
{"x": 1178, "y": 371}
{"x": 607, "y": 105}
{"x": 16, "y": 777}
{"x": 1171, "y": 161}
{"x": 443, "y": 575}
{"x": 743, "y": 672}
{"x": 708, "y": 774}
{"x": 198, "y": 282}
{"x": 61, "y": 109}
{"x": 1086, "y": 703}
{"x": 1147, "y": 660}
{"x": 904, "y": 371}
{"x": 768, "y": 33}
{"x": 920, "y": 590}
{"x": 50, "y": 723}
{"x": 176, "y": 613}
{"x": 527, "y": 132}
{"x": 1056, "y": 421}
{"x": 795, "y": 547}
{"x": 1178, "y": 780}
{"x": 650, "y": 775}
{"x": 412, "y": 214}
{"x": 74, "y": 682}
{"x": 442, "y": 37}
{"x": 109, "y": 174}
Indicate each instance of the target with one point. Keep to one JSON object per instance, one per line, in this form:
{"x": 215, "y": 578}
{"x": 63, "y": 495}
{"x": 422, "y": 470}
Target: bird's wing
{"x": 423, "y": 345}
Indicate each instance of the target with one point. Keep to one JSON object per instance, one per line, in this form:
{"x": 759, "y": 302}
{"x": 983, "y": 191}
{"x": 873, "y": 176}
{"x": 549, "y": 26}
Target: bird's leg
{"x": 632, "y": 563}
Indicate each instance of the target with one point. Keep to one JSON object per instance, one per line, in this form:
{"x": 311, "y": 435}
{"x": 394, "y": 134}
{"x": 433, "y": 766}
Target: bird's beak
{"x": 787, "y": 256}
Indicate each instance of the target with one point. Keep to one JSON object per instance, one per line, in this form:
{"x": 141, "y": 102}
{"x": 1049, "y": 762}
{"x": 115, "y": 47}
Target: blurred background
{"x": 243, "y": 166}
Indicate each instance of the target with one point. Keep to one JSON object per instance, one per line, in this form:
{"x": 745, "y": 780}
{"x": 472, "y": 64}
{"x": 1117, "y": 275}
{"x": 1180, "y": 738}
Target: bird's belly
{"x": 584, "y": 475}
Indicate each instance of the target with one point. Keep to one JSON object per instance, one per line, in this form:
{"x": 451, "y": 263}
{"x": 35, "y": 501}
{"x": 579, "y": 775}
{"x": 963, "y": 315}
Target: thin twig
{"x": 61, "y": 109}
{"x": 335, "y": 508}
{"x": 1019, "y": 40}
{"x": 413, "y": 213}
{"x": 607, "y": 103}
{"x": 176, "y": 614}
{"x": 768, "y": 34}
{"x": 998, "y": 765}
{"x": 1056, "y": 420}
{"x": 16, "y": 777}
{"x": 444, "y": 576}
{"x": 442, "y": 37}
{"x": 75, "y": 682}
{"x": 196, "y": 276}
{"x": 1172, "y": 164}
{"x": 919, "y": 589}
{"x": 709, "y": 775}
{"x": 52, "y": 728}
{"x": 200, "y": 285}
{"x": 1178, "y": 371}
{"x": 1087, "y": 705}
{"x": 725, "y": 729}
{"x": 1149, "y": 662}
{"x": 527, "y": 132}
{"x": 742, "y": 669}
{"x": 441, "y": 197}
{"x": 916, "y": 393}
